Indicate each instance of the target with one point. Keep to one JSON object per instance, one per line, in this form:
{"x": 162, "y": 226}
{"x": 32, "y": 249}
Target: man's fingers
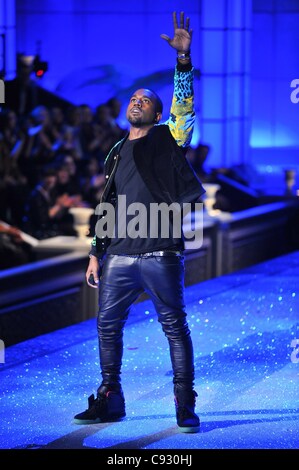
{"x": 93, "y": 281}
{"x": 164, "y": 36}
{"x": 175, "y": 21}
{"x": 187, "y": 24}
{"x": 93, "y": 286}
{"x": 182, "y": 20}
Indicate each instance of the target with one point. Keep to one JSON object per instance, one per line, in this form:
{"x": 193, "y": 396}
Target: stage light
{"x": 39, "y": 67}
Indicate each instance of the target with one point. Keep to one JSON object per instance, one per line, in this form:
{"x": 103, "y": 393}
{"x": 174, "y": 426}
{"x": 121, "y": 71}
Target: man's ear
{"x": 158, "y": 117}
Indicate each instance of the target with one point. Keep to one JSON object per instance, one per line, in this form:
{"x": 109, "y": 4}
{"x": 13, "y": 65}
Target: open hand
{"x": 182, "y": 34}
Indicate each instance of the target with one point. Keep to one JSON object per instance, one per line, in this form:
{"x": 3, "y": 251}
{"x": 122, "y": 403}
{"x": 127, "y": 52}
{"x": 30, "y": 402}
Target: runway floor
{"x": 244, "y": 329}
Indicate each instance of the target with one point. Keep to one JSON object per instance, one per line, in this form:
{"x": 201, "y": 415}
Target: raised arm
{"x": 182, "y": 114}
{"x": 181, "y": 40}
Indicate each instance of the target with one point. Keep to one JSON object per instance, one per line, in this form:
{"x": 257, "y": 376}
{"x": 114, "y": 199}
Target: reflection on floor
{"x": 244, "y": 328}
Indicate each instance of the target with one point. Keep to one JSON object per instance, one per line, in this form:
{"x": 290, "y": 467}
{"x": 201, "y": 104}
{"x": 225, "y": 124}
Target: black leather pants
{"x": 123, "y": 279}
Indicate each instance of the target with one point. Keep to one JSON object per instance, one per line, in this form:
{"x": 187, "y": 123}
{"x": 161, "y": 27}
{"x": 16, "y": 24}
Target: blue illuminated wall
{"x": 275, "y": 63}
{"x": 247, "y": 51}
{"x": 225, "y": 91}
{"x": 98, "y": 49}
{"x": 7, "y": 39}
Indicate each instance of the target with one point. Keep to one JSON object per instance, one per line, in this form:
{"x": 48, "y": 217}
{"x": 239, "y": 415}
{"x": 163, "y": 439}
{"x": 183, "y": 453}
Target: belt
{"x": 161, "y": 253}
{"x": 154, "y": 253}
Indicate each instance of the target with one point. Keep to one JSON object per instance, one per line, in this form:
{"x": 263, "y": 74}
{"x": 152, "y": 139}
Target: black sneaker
{"x": 107, "y": 407}
{"x": 187, "y": 419}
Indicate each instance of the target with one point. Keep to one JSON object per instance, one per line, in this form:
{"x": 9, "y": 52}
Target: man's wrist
{"x": 184, "y": 56}
{"x": 184, "y": 61}
{"x": 184, "y": 66}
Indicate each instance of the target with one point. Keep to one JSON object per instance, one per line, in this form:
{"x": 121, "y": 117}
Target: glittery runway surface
{"x": 244, "y": 329}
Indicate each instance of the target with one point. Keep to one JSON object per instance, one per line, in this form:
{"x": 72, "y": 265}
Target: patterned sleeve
{"x": 93, "y": 246}
{"x": 182, "y": 114}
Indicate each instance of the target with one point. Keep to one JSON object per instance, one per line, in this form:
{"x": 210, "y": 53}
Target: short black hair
{"x": 158, "y": 104}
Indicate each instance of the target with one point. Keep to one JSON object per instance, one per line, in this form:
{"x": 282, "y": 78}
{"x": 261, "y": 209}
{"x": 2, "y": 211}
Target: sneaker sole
{"x": 98, "y": 420}
{"x": 190, "y": 429}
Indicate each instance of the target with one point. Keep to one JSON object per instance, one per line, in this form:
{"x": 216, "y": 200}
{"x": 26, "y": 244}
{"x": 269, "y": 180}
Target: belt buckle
{"x": 167, "y": 252}
{"x": 161, "y": 253}
{"x": 147, "y": 255}
{"x": 151, "y": 254}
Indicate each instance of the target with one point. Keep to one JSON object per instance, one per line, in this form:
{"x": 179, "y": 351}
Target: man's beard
{"x": 135, "y": 121}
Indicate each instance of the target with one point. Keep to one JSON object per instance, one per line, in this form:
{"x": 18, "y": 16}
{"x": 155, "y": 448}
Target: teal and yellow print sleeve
{"x": 182, "y": 114}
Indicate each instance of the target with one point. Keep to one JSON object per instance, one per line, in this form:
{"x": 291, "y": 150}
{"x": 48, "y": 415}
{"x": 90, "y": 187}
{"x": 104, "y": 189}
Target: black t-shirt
{"x": 139, "y": 225}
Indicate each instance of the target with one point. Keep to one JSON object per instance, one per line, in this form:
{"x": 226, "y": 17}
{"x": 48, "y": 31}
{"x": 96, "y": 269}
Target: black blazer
{"x": 164, "y": 168}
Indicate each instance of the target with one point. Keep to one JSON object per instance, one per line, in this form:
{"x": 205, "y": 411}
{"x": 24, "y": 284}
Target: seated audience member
{"x": 86, "y": 132}
{"x": 114, "y": 104}
{"x": 107, "y": 130}
{"x": 197, "y": 157}
{"x": 93, "y": 182}
{"x": 58, "y": 121}
{"x": 45, "y": 216}
{"x": 41, "y": 146}
{"x": 14, "y": 187}
{"x": 67, "y": 185}
{"x": 72, "y": 166}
